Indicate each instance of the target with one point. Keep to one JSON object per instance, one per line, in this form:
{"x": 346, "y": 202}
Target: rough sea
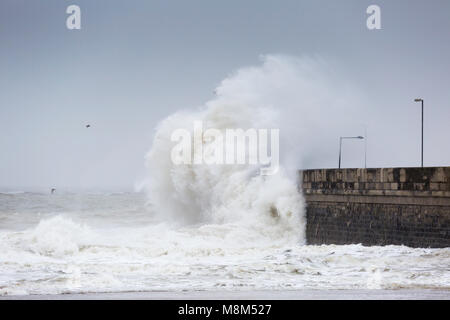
{"x": 87, "y": 243}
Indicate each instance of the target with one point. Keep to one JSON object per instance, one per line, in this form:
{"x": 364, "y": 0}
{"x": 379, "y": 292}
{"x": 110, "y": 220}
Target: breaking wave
{"x": 213, "y": 226}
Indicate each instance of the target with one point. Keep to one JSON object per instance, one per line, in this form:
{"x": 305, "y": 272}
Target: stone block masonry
{"x": 383, "y": 206}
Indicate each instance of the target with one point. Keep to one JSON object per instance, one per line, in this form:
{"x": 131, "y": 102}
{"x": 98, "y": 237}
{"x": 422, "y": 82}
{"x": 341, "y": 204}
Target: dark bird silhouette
{"x": 88, "y": 126}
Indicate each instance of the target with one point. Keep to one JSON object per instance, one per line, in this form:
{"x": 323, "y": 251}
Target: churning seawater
{"x": 207, "y": 227}
{"x": 72, "y": 243}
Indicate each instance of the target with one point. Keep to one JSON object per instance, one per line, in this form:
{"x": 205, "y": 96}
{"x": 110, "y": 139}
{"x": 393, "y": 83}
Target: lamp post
{"x": 365, "y": 147}
{"x": 421, "y": 100}
{"x": 340, "y": 146}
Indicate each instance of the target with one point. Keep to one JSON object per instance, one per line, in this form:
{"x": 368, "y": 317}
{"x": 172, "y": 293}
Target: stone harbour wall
{"x": 383, "y": 206}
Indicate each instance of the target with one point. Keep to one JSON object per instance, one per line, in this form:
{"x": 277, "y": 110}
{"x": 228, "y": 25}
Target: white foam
{"x": 220, "y": 227}
{"x": 269, "y": 206}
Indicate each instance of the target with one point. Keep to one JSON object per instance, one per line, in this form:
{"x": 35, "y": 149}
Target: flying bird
{"x": 88, "y": 126}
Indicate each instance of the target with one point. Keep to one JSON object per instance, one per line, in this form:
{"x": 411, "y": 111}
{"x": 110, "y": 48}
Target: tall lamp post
{"x": 365, "y": 147}
{"x": 340, "y": 146}
{"x": 421, "y": 100}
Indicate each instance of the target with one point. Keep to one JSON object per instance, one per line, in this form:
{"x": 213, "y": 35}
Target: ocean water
{"x": 197, "y": 227}
{"x": 80, "y": 243}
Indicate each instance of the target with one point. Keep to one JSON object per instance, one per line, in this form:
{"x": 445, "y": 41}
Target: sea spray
{"x": 270, "y": 206}
{"x": 302, "y": 97}
{"x": 235, "y": 229}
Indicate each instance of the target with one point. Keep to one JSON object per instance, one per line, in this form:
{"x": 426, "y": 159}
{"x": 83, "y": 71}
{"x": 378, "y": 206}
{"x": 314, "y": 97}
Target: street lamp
{"x": 340, "y": 146}
{"x": 421, "y": 100}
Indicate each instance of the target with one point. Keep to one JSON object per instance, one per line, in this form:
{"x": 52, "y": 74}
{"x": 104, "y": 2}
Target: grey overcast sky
{"x": 135, "y": 62}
